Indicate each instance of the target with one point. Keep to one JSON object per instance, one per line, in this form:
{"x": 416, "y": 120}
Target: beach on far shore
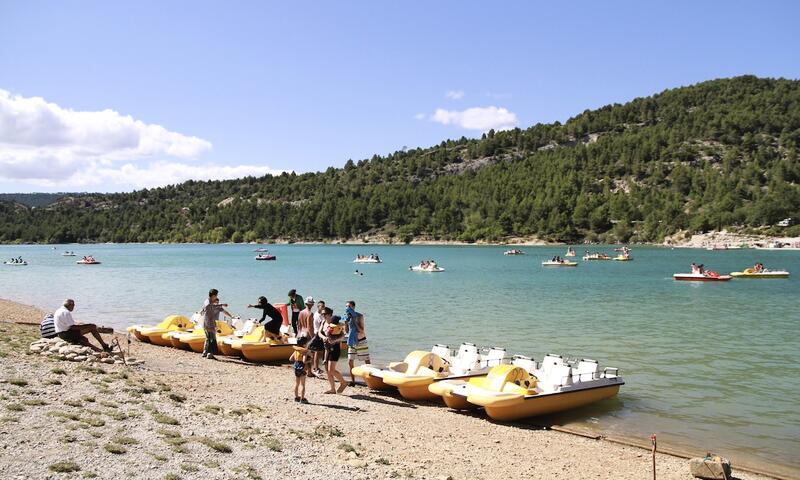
{"x": 181, "y": 416}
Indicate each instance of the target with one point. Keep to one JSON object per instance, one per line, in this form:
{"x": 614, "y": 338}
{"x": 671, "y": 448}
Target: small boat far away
{"x": 428, "y": 266}
{"x": 570, "y": 252}
{"x": 371, "y": 258}
{"x": 88, "y": 260}
{"x": 595, "y": 256}
{"x": 265, "y": 256}
{"x": 514, "y": 251}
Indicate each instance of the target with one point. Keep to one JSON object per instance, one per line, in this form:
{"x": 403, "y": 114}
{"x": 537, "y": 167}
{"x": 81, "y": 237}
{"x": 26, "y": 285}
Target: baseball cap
{"x": 309, "y": 300}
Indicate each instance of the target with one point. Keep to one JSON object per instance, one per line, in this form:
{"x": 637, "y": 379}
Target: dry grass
{"x": 115, "y": 449}
{"x": 215, "y": 445}
{"x": 64, "y": 467}
{"x": 165, "y": 419}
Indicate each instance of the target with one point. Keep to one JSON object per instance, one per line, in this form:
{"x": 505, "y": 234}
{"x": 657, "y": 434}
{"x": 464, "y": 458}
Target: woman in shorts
{"x": 332, "y": 334}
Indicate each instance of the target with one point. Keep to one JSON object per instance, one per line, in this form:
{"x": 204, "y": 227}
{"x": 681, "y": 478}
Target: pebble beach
{"x": 177, "y": 415}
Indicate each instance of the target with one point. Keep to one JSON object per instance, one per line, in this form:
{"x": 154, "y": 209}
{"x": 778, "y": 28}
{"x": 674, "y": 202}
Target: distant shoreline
{"x": 679, "y": 240}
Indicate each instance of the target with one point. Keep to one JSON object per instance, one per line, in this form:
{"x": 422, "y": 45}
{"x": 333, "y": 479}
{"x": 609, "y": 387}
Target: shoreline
{"x": 679, "y": 240}
{"x": 161, "y": 361}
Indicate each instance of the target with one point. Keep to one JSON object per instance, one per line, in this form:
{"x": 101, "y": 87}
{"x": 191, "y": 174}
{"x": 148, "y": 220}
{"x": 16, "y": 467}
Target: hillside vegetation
{"x": 717, "y": 154}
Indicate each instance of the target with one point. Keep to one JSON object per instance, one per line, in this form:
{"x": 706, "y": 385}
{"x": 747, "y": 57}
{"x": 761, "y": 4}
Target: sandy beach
{"x": 181, "y": 416}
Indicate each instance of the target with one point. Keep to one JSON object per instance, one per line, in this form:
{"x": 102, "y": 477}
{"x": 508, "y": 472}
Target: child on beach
{"x": 300, "y": 359}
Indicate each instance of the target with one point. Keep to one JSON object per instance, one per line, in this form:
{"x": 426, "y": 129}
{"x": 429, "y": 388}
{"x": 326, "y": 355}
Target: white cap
{"x": 309, "y": 300}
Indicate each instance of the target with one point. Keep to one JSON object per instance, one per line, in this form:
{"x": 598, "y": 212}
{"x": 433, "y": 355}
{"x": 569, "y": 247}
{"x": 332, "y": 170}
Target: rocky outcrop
{"x": 62, "y": 350}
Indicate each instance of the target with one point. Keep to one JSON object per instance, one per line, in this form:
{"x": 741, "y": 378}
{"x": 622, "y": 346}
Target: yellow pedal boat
{"x": 173, "y": 323}
{"x": 269, "y": 350}
{"x": 420, "y": 369}
{"x": 750, "y": 273}
{"x": 165, "y": 325}
{"x": 623, "y": 258}
{"x": 196, "y": 339}
{"x": 511, "y": 392}
{"x": 255, "y": 333}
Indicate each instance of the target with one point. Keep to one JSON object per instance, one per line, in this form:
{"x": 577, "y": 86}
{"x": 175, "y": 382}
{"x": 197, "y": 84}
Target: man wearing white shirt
{"x": 72, "y": 332}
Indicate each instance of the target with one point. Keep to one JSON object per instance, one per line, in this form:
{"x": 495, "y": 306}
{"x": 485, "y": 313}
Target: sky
{"x": 115, "y": 96}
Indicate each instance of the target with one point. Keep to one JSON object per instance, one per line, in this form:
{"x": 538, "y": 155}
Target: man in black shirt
{"x": 273, "y": 326}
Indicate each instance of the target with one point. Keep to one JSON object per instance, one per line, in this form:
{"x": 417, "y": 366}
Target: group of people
{"x": 88, "y": 259}
{"x": 698, "y": 269}
{"x": 318, "y": 332}
{"x": 427, "y": 264}
{"x": 371, "y": 256}
{"x": 17, "y": 260}
{"x": 558, "y": 259}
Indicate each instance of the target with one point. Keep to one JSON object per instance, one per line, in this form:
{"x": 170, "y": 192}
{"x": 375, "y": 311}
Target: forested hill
{"x": 716, "y": 154}
{"x": 31, "y": 199}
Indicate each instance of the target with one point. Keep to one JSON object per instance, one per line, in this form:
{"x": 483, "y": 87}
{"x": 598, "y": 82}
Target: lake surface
{"x": 712, "y": 366}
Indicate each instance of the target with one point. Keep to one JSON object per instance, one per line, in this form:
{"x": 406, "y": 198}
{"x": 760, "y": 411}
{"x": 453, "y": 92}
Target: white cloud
{"x": 44, "y": 144}
{"x": 420, "y": 116}
{"x": 477, "y": 118}
{"x": 454, "y": 94}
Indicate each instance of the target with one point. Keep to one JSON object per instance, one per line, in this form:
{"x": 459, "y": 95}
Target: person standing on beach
{"x": 305, "y": 319}
{"x": 68, "y": 329}
{"x": 357, "y": 347}
{"x": 316, "y": 346}
{"x": 295, "y": 305}
{"x": 210, "y": 314}
{"x": 305, "y": 325}
{"x": 300, "y": 363}
{"x": 273, "y": 326}
{"x": 332, "y": 334}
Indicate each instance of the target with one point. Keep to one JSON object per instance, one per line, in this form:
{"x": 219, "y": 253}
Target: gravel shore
{"x": 181, "y": 416}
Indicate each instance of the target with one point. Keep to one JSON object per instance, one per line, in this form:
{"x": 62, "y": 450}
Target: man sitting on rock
{"x": 72, "y": 332}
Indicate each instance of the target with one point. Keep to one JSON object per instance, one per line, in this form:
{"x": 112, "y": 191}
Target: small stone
{"x": 118, "y": 362}
{"x": 107, "y": 360}
{"x": 64, "y": 350}
{"x": 357, "y": 463}
{"x": 78, "y": 358}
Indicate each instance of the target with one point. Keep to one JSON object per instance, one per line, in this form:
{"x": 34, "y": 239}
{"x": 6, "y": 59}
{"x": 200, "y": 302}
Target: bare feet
{"x": 341, "y": 388}
{"x": 329, "y": 391}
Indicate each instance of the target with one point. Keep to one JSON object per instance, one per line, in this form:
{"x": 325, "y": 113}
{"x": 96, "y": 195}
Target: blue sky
{"x": 205, "y": 89}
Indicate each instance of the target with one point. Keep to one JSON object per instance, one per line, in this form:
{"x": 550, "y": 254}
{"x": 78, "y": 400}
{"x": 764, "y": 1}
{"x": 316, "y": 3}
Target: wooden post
{"x": 653, "y": 439}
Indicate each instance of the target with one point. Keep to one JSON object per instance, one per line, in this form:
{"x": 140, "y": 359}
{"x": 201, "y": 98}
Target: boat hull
{"x": 760, "y": 275}
{"x": 157, "y": 337}
{"x": 263, "y": 352}
{"x": 537, "y": 405}
{"x": 136, "y": 333}
{"x": 445, "y": 389}
{"x": 690, "y": 277}
{"x": 227, "y": 349}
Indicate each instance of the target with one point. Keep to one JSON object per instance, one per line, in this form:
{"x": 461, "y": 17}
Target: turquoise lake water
{"x": 712, "y": 366}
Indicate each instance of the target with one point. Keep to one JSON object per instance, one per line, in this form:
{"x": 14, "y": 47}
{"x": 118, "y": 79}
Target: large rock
{"x": 712, "y": 467}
